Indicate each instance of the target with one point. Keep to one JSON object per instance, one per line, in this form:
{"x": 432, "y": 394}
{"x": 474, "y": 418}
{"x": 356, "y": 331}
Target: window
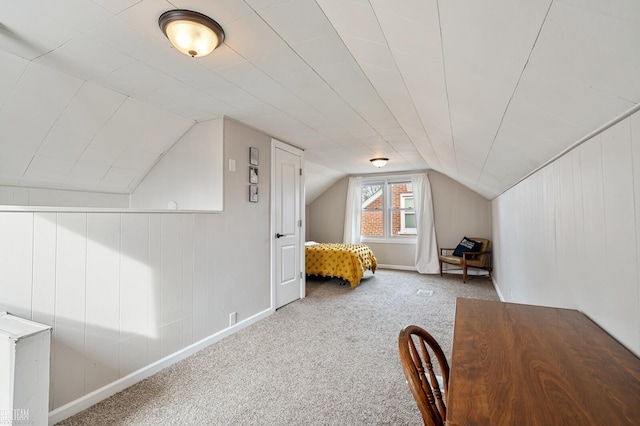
{"x": 372, "y": 224}
{"x": 387, "y": 209}
{"x": 407, "y": 214}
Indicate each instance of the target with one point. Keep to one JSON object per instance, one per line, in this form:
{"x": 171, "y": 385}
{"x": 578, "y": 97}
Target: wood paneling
{"x": 123, "y": 290}
{"x": 188, "y": 256}
{"x": 154, "y": 348}
{"x": 16, "y": 258}
{"x": 102, "y": 326}
{"x": 568, "y": 235}
{"x": 70, "y": 308}
{"x": 200, "y": 279}
{"x": 593, "y": 250}
{"x": 134, "y": 292}
{"x": 620, "y": 248}
{"x": 171, "y": 269}
{"x": 566, "y": 231}
{"x": 44, "y": 267}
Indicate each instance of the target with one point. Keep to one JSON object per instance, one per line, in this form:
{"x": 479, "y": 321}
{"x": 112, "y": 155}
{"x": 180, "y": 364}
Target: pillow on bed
{"x": 467, "y": 245}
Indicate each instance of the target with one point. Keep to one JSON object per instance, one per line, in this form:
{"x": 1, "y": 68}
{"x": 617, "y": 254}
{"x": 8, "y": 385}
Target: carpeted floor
{"x": 328, "y": 359}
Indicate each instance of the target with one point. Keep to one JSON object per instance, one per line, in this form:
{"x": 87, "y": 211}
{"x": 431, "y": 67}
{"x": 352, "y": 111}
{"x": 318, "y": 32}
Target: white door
{"x": 287, "y": 224}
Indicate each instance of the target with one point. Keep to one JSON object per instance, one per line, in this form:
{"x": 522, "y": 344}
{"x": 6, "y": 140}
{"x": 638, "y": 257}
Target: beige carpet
{"x": 329, "y": 359}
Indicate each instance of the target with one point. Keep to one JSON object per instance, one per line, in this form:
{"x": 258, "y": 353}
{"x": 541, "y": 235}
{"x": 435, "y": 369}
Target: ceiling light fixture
{"x": 192, "y": 33}
{"x": 379, "y": 162}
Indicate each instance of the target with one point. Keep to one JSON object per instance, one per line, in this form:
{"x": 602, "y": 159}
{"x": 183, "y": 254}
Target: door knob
{"x": 279, "y": 235}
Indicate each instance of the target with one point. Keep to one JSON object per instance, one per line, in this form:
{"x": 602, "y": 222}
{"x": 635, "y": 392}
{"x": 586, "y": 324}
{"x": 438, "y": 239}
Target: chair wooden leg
{"x": 441, "y": 268}
{"x": 464, "y": 273}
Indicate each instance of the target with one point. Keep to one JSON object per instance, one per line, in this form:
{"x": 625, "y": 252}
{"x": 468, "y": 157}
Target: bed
{"x": 345, "y": 261}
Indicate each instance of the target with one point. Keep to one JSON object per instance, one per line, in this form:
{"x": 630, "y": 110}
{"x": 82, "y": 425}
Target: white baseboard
{"x": 474, "y": 272}
{"x": 398, "y": 267}
{"x": 92, "y": 398}
{"x": 495, "y": 285}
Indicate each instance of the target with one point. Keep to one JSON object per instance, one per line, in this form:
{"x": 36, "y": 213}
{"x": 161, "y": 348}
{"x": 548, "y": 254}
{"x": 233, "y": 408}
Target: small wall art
{"x": 253, "y": 174}
{"x": 253, "y": 156}
{"x": 253, "y": 193}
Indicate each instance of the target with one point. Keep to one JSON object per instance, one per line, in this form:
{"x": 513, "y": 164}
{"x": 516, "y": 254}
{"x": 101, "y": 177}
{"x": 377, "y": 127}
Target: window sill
{"x": 401, "y": 240}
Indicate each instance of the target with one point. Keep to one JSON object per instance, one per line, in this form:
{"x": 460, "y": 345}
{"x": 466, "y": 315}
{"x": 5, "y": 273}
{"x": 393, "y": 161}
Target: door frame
{"x": 275, "y": 143}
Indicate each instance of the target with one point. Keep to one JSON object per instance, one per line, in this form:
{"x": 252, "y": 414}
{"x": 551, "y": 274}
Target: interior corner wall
{"x": 189, "y": 176}
{"x": 325, "y": 216}
{"x": 458, "y": 212}
{"x": 122, "y": 290}
{"x": 568, "y": 235}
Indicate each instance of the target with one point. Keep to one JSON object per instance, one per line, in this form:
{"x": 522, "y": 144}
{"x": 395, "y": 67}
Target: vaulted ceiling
{"x": 92, "y": 93}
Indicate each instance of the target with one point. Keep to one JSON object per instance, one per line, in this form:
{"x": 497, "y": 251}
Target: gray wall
{"x": 458, "y": 212}
{"x": 325, "y": 216}
{"x": 568, "y": 235}
{"x": 123, "y": 290}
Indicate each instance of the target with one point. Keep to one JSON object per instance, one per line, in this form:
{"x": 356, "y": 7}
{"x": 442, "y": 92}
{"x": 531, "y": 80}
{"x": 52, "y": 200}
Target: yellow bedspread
{"x": 346, "y": 261}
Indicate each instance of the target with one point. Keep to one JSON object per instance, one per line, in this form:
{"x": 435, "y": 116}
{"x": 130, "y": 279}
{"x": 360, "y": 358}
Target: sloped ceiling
{"x": 92, "y": 94}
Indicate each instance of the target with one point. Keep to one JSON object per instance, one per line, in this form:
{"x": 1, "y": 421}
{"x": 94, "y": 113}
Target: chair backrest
{"x": 481, "y": 259}
{"x": 417, "y": 350}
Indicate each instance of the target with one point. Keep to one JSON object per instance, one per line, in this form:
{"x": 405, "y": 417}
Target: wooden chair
{"x": 477, "y": 259}
{"x": 417, "y": 349}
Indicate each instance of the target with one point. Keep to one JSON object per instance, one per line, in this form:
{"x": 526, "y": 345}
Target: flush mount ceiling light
{"x": 192, "y": 33}
{"x": 379, "y": 162}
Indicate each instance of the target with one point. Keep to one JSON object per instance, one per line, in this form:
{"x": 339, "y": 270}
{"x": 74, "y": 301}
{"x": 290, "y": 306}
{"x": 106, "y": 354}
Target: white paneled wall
{"x": 123, "y": 290}
{"x": 568, "y": 235}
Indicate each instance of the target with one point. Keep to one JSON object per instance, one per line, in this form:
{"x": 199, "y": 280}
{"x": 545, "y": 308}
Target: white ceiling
{"x": 92, "y": 94}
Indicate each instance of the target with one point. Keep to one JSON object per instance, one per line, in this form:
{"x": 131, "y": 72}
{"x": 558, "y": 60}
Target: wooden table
{"x": 530, "y": 365}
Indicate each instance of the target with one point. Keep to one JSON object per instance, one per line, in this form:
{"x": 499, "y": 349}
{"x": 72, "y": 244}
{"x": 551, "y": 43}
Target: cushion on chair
{"x": 467, "y": 244}
{"x": 454, "y": 260}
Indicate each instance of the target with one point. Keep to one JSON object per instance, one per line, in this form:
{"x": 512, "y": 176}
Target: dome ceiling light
{"x": 379, "y": 162}
{"x": 192, "y": 33}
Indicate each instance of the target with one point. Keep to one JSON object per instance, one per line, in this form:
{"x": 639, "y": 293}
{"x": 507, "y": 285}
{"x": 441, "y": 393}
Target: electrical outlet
{"x": 233, "y": 318}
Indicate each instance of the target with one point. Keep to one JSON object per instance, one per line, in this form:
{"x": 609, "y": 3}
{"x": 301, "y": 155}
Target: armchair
{"x": 470, "y": 259}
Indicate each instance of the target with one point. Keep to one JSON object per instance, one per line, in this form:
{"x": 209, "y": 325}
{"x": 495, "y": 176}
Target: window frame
{"x": 404, "y": 211}
{"x": 388, "y": 209}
